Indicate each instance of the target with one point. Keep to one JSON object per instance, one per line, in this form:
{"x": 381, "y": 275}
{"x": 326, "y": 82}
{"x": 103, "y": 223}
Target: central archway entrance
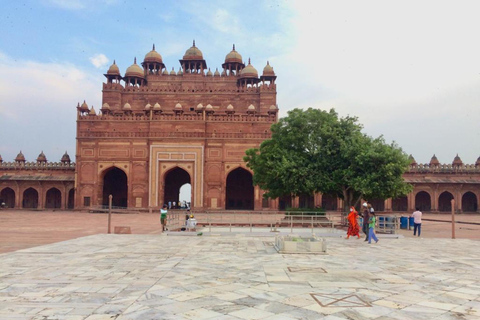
{"x": 239, "y": 190}
{"x": 115, "y": 184}
{"x": 175, "y": 179}
{"x": 53, "y": 199}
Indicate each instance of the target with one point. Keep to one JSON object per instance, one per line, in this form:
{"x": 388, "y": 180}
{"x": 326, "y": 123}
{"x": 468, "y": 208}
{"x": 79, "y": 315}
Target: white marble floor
{"x": 240, "y": 276}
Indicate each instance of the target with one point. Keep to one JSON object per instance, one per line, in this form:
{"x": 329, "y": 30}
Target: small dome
{"x": 106, "y": 106}
{"x": 165, "y": 72}
{"x": 457, "y": 161}
{"x": 193, "y": 53}
{"x": 249, "y": 71}
{"x": 209, "y": 73}
{"x": 180, "y": 71}
{"x": 20, "y": 157}
{"x": 412, "y": 160}
{"x": 230, "y": 107}
{"x": 153, "y": 56}
{"x": 199, "y": 106}
{"x": 208, "y": 107}
{"x": 157, "y": 107}
{"x": 134, "y": 70}
{"x": 127, "y": 106}
{"x": 233, "y": 56}
{"x": 148, "y": 106}
{"x": 477, "y": 163}
{"x": 65, "y": 158}
{"x": 173, "y": 73}
{"x": 434, "y": 160}
{"x": 113, "y": 70}
{"x": 216, "y": 74}
{"x": 41, "y": 157}
{"x": 92, "y": 112}
{"x": 251, "y": 107}
{"x": 84, "y": 107}
{"x": 178, "y": 106}
{"x": 268, "y": 70}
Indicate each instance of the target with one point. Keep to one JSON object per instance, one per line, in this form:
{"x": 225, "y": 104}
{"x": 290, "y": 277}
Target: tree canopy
{"x": 317, "y": 151}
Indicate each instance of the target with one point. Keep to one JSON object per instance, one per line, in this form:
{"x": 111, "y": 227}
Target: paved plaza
{"x": 239, "y": 275}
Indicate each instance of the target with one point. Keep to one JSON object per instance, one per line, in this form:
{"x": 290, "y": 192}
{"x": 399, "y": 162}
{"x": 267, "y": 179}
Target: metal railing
{"x": 177, "y": 220}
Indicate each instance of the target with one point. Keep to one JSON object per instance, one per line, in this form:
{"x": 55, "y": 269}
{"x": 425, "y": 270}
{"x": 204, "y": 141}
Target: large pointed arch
{"x": 423, "y": 201}
{"x": 115, "y": 183}
{"x": 239, "y": 190}
{"x": 175, "y": 179}
{"x": 7, "y": 196}
{"x": 444, "y": 202}
{"x": 469, "y": 202}
{"x": 53, "y": 199}
{"x": 30, "y": 198}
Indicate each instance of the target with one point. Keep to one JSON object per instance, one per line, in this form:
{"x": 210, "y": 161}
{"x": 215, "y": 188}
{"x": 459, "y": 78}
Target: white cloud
{"x": 37, "y": 106}
{"x": 407, "y": 69}
{"x": 99, "y": 60}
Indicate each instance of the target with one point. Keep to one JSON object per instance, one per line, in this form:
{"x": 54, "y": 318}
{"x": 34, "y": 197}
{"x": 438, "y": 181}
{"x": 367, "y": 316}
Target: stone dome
{"x": 173, "y": 73}
{"x": 113, "y": 70}
{"x": 230, "y": 107}
{"x": 457, "y": 161}
{"x": 157, "y": 107}
{"x": 92, "y": 112}
{"x": 199, "y": 106}
{"x": 193, "y": 53}
{"x": 412, "y": 160}
{"x": 20, "y": 157}
{"x": 84, "y": 107}
{"x": 209, "y": 73}
{"x": 65, "y": 158}
{"x": 41, "y": 157}
{"x": 127, "y": 106}
{"x": 148, "y": 106}
{"x": 268, "y": 70}
{"x": 233, "y": 56}
{"x": 251, "y": 107}
{"x": 106, "y": 106}
{"x": 134, "y": 70}
{"x": 434, "y": 160}
{"x": 178, "y": 106}
{"x": 209, "y": 107}
{"x": 153, "y": 56}
{"x": 249, "y": 71}
{"x": 216, "y": 74}
{"x": 477, "y": 163}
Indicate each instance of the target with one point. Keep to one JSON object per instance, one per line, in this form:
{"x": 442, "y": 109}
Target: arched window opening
{"x": 469, "y": 202}
{"x": 53, "y": 199}
{"x": 444, "y": 202}
{"x": 423, "y": 201}
{"x": 239, "y": 193}
{"x": 30, "y": 199}
{"x": 7, "y": 196}
{"x": 115, "y": 184}
{"x": 175, "y": 179}
{"x": 185, "y": 196}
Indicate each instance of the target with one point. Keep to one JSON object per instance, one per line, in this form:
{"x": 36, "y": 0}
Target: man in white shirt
{"x": 417, "y": 221}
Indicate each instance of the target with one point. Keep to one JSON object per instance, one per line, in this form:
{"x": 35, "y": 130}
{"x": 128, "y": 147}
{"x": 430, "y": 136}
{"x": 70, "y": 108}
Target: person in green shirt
{"x": 163, "y": 217}
{"x": 371, "y": 225}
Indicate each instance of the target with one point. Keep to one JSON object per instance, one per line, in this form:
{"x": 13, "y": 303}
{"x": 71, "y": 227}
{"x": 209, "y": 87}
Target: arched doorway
{"x": 469, "y": 202}
{"x": 185, "y": 195}
{"x": 115, "y": 184}
{"x": 306, "y": 201}
{"x": 378, "y": 204}
{"x": 400, "y": 204}
{"x": 7, "y": 196}
{"x": 175, "y": 179}
{"x": 239, "y": 193}
{"x": 423, "y": 201}
{"x": 444, "y": 202}
{"x": 53, "y": 200}
{"x": 30, "y": 198}
{"x": 71, "y": 198}
{"x": 329, "y": 202}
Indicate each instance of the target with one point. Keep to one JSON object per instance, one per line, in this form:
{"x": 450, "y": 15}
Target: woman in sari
{"x": 353, "y": 227}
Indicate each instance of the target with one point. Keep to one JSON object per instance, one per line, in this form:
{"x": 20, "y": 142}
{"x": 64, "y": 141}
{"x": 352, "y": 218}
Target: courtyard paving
{"x": 233, "y": 275}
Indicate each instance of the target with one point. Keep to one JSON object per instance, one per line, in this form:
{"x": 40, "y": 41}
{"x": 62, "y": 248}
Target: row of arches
{"x": 239, "y": 188}
{"x": 30, "y": 198}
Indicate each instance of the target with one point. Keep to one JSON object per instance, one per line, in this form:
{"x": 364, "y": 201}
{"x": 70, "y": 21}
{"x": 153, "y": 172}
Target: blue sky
{"x": 408, "y": 69}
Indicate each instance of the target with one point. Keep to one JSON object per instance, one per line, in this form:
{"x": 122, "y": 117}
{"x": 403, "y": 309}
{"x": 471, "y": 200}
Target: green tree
{"x": 317, "y": 151}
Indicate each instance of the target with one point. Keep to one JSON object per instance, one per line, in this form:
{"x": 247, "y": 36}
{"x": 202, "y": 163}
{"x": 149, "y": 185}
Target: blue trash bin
{"x": 381, "y": 222}
{"x": 410, "y": 223}
{"x": 403, "y": 222}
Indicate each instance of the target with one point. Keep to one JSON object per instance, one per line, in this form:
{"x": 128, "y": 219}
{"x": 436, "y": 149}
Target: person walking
{"x": 372, "y": 221}
{"x": 163, "y": 217}
{"x": 417, "y": 221}
{"x": 365, "y": 216}
{"x": 353, "y": 227}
